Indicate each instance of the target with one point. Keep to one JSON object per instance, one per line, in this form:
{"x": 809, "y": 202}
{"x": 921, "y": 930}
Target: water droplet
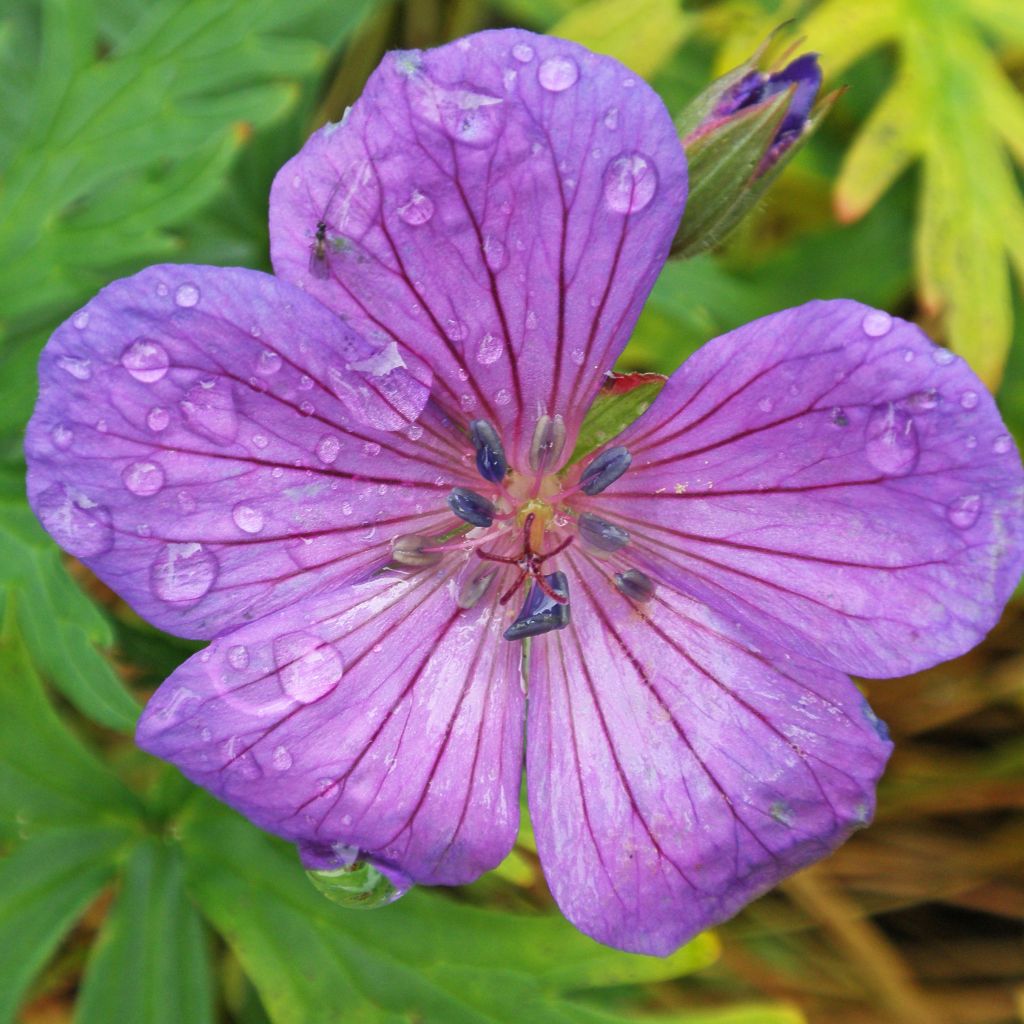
{"x": 490, "y": 349}
{"x": 186, "y": 502}
{"x": 238, "y": 656}
{"x": 359, "y": 884}
{"x": 522, "y": 53}
{"x": 556, "y": 74}
{"x": 371, "y": 448}
{"x": 146, "y": 360}
{"x": 143, "y": 478}
{"x": 307, "y": 408}
{"x": 79, "y": 525}
{"x": 62, "y": 437}
{"x": 765, "y": 404}
{"x": 415, "y": 432}
{"x": 467, "y": 402}
{"x": 924, "y": 401}
{"x": 80, "y": 369}
{"x": 963, "y": 512}
{"x": 891, "y": 442}
{"x": 186, "y": 296}
{"x": 417, "y": 209}
{"x": 346, "y": 508}
{"x": 577, "y": 355}
{"x": 876, "y": 324}
{"x": 209, "y": 408}
{"x": 630, "y": 182}
{"x": 281, "y": 759}
{"x": 327, "y": 448}
{"x": 456, "y": 330}
{"x": 247, "y": 518}
{"x": 1002, "y": 444}
{"x": 494, "y": 252}
{"x": 81, "y": 320}
{"x": 309, "y": 667}
{"x": 969, "y": 400}
{"x": 182, "y": 573}
{"x": 268, "y": 363}
{"x": 503, "y": 397}
{"x": 611, "y": 119}
{"x": 157, "y": 419}
{"x": 260, "y": 441}
{"x": 942, "y": 356}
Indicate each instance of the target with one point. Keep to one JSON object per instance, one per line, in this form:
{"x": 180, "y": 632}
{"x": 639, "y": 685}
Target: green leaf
{"x": 60, "y": 625}
{"x": 47, "y": 778}
{"x": 46, "y": 885}
{"x": 622, "y": 398}
{"x": 150, "y": 964}
{"x": 426, "y": 956}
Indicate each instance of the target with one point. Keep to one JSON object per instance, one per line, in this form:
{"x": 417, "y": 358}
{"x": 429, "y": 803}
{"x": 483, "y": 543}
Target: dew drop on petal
{"x": 876, "y": 324}
{"x": 417, "y": 209}
{"x": 327, "y": 448}
{"x": 81, "y": 320}
{"x": 62, "y": 437}
{"x": 268, "y": 363}
{"x": 238, "y": 656}
{"x": 522, "y": 53}
{"x": 79, "y": 525}
{"x": 891, "y": 442}
{"x": 143, "y": 478}
{"x": 924, "y": 401}
{"x": 260, "y": 441}
{"x": 942, "y": 356}
{"x": 371, "y": 448}
{"x": 490, "y": 349}
{"x": 630, "y": 182}
{"x": 80, "y": 369}
{"x": 281, "y": 759}
{"x": 309, "y": 667}
{"x": 964, "y": 511}
{"x": 611, "y": 119}
{"x": 182, "y": 573}
{"x": 186, "y": 296}
{"x": 494, "y": 252}
{"x": 157, "y": 419}
{"x": 247, "y": 518}
{"x": 556, "y": 74}
{"x": 467, "y": 402}
{"x": 503, "y": 397}
{"x": 146, "y": 360}
{"x": 969, "y": 400}
{"x": 1002, "y": 444}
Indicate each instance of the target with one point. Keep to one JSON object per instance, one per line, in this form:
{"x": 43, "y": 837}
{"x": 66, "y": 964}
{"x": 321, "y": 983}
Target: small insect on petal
{"x": 542, "y": 613}
{"x": 635, "y": 585}
{"x": 490, "y": 455}
{"x": 548, "y": 442}
{"x": 605, "y": 470}
{"x": 409, "y": 550}
{"x": 472, "y": 507}
{"x": 598, "y": 533}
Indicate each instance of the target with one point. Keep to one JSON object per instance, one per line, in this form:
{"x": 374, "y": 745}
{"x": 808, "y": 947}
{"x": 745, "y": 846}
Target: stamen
{"x": 472, "y": 507}
{"x": 412, "y": 549}
{"x": 546, "y": 608}
{"x": 605, "y": 470}
{"x": 601, "y": 535}
{"x": 635, "y": 585}
{"x": 548, "y": 442}
{"x": 490, "y": 455}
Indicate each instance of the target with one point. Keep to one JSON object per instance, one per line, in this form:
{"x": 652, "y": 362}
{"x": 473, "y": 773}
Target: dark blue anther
{"x": 490, "y": 455}
{"x": 598, "y": 533}
{"x": 542, "y": 613}
{"x": 605, "y": 470}
{"x": 635, "y": 585}
{"x": 472, "y": 507}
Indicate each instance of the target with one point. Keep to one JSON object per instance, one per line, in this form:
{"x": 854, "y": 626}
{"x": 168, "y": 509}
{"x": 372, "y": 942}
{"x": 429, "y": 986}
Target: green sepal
{"x": 622, "y": 398}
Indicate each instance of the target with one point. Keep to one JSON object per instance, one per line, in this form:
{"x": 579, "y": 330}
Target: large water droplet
{"x": 80, "y": 369}
{"x": 146, "y": 360}
{"x": 891, "y": 440}
{"x": 187, "y": 295}
{"x": 79, "y": 525}
{"x": 209, "y": 409}
{"x": 876, "y": 324}
{"x": 238, "y": 656}
{"x": 182, "y": 573}
{"x": 417, "y": 210}
{"x": 490, "y": 349}
{"x": 268, "y": 363}
{"x": 309, "y": 667}
{"x": 964, "y": 511}
{"x": 630, "y": 182}
{"x": 358, "y": 886}
{"x": 556, "y": 74}
{"x": 247, "y": 518}
{"x": 62, "y": 437}
{"x": 143, "y": 478}
{"x": 157, "y": 419}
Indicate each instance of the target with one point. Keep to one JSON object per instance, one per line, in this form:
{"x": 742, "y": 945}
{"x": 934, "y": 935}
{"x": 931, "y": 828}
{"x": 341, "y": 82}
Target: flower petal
{"x": 830, "y": 475}
{"x": 380, "y": 716}
{"x": 501, "y": 207}
{"x": 189, "y": 444}
{"x": 677, "y": 768}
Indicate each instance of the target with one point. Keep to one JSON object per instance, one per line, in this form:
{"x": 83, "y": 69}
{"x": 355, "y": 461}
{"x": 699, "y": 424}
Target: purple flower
{"x": 354, "y": 478}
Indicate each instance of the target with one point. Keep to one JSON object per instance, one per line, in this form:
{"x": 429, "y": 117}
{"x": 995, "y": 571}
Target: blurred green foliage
{"x": 133, "y": 131}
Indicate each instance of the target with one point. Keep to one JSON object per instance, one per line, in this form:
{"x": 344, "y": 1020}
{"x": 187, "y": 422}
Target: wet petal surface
{"x": 195, "y": 444}
{"x": 831, "y": 476}
{"x": 499, "y": 206}
{"x": 380, "y": 716}
{"x": 677, "y": 768}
